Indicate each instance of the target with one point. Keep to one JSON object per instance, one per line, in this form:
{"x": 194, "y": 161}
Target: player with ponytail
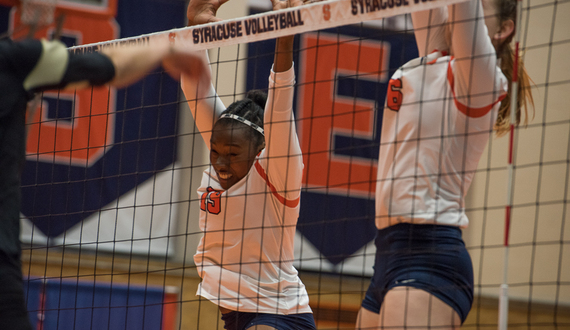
{"x": 507, "y": 12}
{"x": 441, "y": 110}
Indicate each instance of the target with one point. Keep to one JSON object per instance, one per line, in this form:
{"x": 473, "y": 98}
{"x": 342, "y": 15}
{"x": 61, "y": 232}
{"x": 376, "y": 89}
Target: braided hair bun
{"x": 250, "y": 108}
{"x": 258, "y": 97}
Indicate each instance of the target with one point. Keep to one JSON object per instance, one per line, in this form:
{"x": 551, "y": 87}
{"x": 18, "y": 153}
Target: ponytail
{"x": 507, "y": 11}
{"x": 524, "y": 95}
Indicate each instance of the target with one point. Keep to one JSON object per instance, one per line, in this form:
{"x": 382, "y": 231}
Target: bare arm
{"x": 117, "y": 66}
{"x": 283, "y": 54}
{"x": 430, "y": 30}
{"x": 475, "y": 65}
{"x": 205, "y": 105}
{"x": 283, "y": 59}
{"x": 206, "y": 109}
{"x": 133, "y": 62}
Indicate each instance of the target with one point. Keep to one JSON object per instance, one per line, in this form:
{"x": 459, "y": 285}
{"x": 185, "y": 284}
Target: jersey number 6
{"x": 394, "y": 96}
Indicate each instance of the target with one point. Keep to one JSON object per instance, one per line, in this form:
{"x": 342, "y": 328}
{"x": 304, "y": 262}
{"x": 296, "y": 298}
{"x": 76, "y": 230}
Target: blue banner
{"x": 87, "y": 149}
{"x": 342, "y": 78}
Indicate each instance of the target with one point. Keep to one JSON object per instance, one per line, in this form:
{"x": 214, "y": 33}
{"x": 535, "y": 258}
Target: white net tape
{"x": 269, "y": 25}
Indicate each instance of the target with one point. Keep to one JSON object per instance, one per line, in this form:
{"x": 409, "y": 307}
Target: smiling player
{"x": 250, "y": 199}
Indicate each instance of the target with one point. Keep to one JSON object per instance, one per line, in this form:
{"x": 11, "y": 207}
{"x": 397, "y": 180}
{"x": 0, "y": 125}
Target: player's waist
{"x": 455, "y": 218}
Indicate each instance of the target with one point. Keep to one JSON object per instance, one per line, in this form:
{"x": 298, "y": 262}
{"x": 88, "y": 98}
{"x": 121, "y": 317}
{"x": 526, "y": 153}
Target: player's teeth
{"x": 225, "y": 176}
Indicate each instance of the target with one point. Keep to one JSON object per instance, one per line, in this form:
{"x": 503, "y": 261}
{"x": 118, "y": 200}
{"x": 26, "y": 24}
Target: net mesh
{"x": 38, "y": 12}
{"x": 111, "y": 214}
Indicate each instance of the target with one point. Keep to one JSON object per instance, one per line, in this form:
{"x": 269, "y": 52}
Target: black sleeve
{"x": 93, "y": 67}
{"x": 20, "y": 58}
{"x": 58, "y": 68}
{"x": 17, "y": 60}
{"x": 28, "y": 60}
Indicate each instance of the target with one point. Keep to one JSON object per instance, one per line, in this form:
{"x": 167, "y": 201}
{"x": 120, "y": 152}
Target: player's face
{"x": 232, "y": 153}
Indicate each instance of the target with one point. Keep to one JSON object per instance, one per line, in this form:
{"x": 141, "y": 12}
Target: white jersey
{"x": 245, "y": 258}
{"x": 438, "y": 118}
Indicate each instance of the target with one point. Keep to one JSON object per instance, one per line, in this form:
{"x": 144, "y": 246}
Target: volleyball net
{"x": 110, "y": 214}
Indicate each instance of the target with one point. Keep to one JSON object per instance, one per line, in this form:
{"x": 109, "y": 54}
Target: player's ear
{"x": 506, "y": 30}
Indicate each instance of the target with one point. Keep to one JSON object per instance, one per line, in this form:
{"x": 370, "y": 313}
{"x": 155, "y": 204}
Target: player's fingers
{"x": 214, "y": 19}
{"x": 275, "y": 4}
{"x": 296, "y": 3}
{"x": 283, "y": 4}
{"x": 203, "y": 11}
{"x": 203, "y": 18}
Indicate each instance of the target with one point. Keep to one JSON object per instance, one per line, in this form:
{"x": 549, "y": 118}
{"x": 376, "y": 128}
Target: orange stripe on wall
{"x": 169, "y": 308}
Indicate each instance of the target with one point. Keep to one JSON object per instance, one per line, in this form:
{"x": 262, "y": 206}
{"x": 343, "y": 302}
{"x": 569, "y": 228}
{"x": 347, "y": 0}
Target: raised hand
{"x": 193, "y": 65}
{"x": 284, "y": 4}
{"x": 203, "y": 11}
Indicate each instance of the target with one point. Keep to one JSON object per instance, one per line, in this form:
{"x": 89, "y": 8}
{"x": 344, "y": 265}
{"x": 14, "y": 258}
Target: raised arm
{"x": 429, "y": 30}
{"x": 475, "y": 65}
{"x": 205, "y": 105}
{"x": 282, "y": 152}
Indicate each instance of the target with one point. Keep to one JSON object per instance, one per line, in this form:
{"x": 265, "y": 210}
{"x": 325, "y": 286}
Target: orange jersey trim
{"x": 443, "y": 53}
{"x": 468, "y": 111}
{"x": 283, "y": 200}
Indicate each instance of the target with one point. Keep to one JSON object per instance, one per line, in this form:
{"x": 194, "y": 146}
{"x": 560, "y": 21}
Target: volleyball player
{"x": 440, "y": 111}
{"x": 30, "y": 66}
{"x": 250, "y": 199}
